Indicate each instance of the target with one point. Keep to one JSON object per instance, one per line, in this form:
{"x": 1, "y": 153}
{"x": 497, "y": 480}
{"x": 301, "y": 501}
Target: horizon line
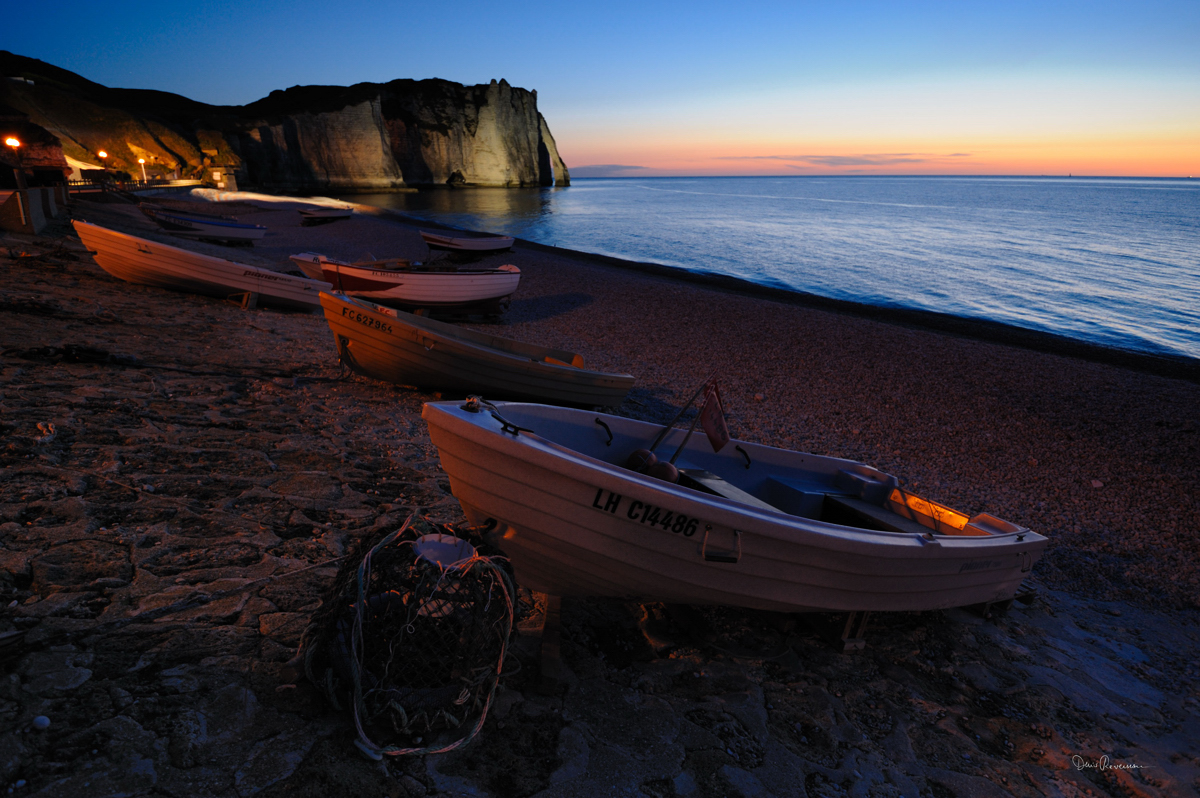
{"x": 1068, "y": 176}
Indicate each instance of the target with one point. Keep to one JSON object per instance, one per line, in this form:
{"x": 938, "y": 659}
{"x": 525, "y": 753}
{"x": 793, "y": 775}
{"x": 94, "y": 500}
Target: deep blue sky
{"x": 705, "y": 87}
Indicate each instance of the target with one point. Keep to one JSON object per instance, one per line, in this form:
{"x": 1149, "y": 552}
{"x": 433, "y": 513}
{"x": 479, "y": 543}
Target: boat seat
{"x": 876, "y": 517}
{"x": 700, "y": 479}
{"x": 795, "y": 497}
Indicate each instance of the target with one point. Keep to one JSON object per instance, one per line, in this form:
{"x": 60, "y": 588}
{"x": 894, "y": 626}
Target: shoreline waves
{"x": 1176, "y": 367}
{"x": 1107, "y": 262}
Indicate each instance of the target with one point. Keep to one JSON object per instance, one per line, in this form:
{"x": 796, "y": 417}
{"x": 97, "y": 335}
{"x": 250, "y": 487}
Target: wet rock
{"x": 54, "y": 604}
{"x": 12, "y": 753}
{"x": 79, "y": 563}
{"x": 49, "y": 672}
{"x": 273, "y": 760}
{"x": 284, "y": 627}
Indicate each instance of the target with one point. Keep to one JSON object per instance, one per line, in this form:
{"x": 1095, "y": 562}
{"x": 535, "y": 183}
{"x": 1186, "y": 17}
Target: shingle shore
{"x": 231, "y": 453}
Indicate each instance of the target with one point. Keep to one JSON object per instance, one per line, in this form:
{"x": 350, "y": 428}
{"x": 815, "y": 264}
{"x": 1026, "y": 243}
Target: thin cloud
{"x": 842, "y": 161}
{"x": 604, "y": 170}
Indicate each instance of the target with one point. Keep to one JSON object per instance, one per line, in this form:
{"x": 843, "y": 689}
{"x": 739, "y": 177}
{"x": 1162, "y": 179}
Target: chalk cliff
{"x": 366, "y": 137}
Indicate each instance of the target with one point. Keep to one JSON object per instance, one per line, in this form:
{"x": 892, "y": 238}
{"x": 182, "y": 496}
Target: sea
{"x": 1108, "y": 261}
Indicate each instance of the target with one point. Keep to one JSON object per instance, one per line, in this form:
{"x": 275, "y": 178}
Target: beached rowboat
{"x": 482, "y": 245}
{"x": 398, "y": 347}
{"x": 314, "y": 216}
{"x": 402, "y": 283}
{"x": 753, "y": 526}
{"x": 138, "y": 260}
{"x": 204, "y": 225}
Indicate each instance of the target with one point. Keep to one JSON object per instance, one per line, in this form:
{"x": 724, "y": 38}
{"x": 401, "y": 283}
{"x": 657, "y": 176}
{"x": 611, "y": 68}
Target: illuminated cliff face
{"x": 403, "y": 133}
{"x": 367, "y": 137}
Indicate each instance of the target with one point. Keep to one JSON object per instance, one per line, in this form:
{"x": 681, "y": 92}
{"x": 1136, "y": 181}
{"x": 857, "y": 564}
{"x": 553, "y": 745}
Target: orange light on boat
{"x": 12, "y": 142}
{"x": 936, "y": 513}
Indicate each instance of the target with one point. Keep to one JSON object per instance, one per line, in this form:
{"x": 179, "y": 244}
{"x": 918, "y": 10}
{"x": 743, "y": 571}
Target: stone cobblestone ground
{"x": 179, "y": 479}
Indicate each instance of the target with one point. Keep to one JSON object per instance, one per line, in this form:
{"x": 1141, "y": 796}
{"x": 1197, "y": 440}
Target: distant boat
{"x": 196, "y": 225}
{"x": 315, "y": 216}
{"x": 751, "y": 526}
{"x": 401, "y": 348}
{"x": 403, "y": 283}
{"x": 479, "y": 245}
{"x": 137, "y": 260}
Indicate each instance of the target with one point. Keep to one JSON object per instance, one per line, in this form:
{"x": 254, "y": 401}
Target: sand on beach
{"x": 186, "y": 447}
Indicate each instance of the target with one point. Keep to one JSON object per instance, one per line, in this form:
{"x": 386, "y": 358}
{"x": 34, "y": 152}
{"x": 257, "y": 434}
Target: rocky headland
{"x": 367, "y": 137}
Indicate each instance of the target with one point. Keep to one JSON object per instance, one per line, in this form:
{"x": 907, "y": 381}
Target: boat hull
{"x": 400, "y": 348}
{"x": 188, "y": 227}
{"x": 576, "y": 525}
{"x": 480, "y": 246}
{"x": 138, "y": 260}
{"x": 311, "y": 217}
{"x": 417, "y": 287}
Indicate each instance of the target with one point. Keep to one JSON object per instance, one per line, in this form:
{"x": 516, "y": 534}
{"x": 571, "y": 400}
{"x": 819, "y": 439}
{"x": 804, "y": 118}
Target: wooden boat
{"x": 190, "y": 225}
{"x": 482, "y": 245}
{"x": 753, "y": 526}
{"x": 398, "y": 347}
{"x": 138, "y": 260}
{"x": 150, "y": 208}
{"x": 314, "y": 216}
{"x": 405, "y": 284}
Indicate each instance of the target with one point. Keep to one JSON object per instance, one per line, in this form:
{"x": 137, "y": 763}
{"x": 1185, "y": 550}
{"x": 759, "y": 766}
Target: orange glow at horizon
{"x": 1167, "y": 156}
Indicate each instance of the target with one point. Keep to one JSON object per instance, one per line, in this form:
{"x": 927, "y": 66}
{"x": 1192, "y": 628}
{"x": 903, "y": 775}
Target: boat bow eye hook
{"x": 606, "y": 429}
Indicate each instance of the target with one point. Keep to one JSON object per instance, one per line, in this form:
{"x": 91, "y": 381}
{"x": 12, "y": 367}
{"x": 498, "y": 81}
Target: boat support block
{"x": 844, "y": 631}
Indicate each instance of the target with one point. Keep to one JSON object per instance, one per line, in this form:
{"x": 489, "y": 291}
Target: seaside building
{"x": 33, "y": 173}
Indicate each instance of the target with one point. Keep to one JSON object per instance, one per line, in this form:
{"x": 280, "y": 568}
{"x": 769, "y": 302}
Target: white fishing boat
{"x": 753, "y": 526}
{"x": 138, "y": 260}
{"x": 405, "y": 284}
{"x": 480, "y": 245}
{"x": 314, "y": 216}
{"x": 204, "y": 226}
{"x": 398, "y": 347}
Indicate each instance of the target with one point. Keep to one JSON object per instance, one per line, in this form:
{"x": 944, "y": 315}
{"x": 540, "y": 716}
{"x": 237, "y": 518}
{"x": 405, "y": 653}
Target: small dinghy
{"x": 315, "y": 216}
{"x": 138, "y": 260}
{"x": 398, "y": 347}
{"x": 405, "y": 284}
{"x": 752, "y": 526}
{"x": 481, "y": 245}
{"x": 206, "y": 226}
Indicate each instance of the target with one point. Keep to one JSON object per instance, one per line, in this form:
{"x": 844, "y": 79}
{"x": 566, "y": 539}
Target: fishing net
{"x": 412, "y": 639}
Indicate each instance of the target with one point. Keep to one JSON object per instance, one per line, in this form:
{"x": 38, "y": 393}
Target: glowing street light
{"x": 142, "y": 161}
{"x": 102, "y": 154}
{"x": 15, "y": 143}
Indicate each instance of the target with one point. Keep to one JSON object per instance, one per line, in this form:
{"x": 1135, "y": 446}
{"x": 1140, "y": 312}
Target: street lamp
{"x": 142, "y": 161}
{"x": 15, "y": 143}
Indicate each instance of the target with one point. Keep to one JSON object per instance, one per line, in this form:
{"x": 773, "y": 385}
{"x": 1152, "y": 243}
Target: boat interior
{"x": 826, "y": 489}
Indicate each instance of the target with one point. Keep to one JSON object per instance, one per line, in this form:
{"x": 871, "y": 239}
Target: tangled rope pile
{"x": 413, "y": 640}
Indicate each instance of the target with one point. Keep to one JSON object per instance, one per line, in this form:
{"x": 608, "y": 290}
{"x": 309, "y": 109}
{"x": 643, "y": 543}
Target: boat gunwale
{"x": 554, "y": 456}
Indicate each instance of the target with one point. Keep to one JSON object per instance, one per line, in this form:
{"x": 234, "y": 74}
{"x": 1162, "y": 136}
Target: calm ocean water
{"x": 1114, "y": 262}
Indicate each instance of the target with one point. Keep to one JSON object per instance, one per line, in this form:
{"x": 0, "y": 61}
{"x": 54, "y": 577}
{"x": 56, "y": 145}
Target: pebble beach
{"x": 180, "y": 478}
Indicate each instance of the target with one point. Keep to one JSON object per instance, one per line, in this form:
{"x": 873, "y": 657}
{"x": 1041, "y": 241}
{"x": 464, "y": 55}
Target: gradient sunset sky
{"x": 698, "y": 88}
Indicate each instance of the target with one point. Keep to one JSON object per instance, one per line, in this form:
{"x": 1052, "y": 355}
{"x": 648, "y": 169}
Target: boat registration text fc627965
{"x": 367, "y": 321}
{"x": 643, "y": 513}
